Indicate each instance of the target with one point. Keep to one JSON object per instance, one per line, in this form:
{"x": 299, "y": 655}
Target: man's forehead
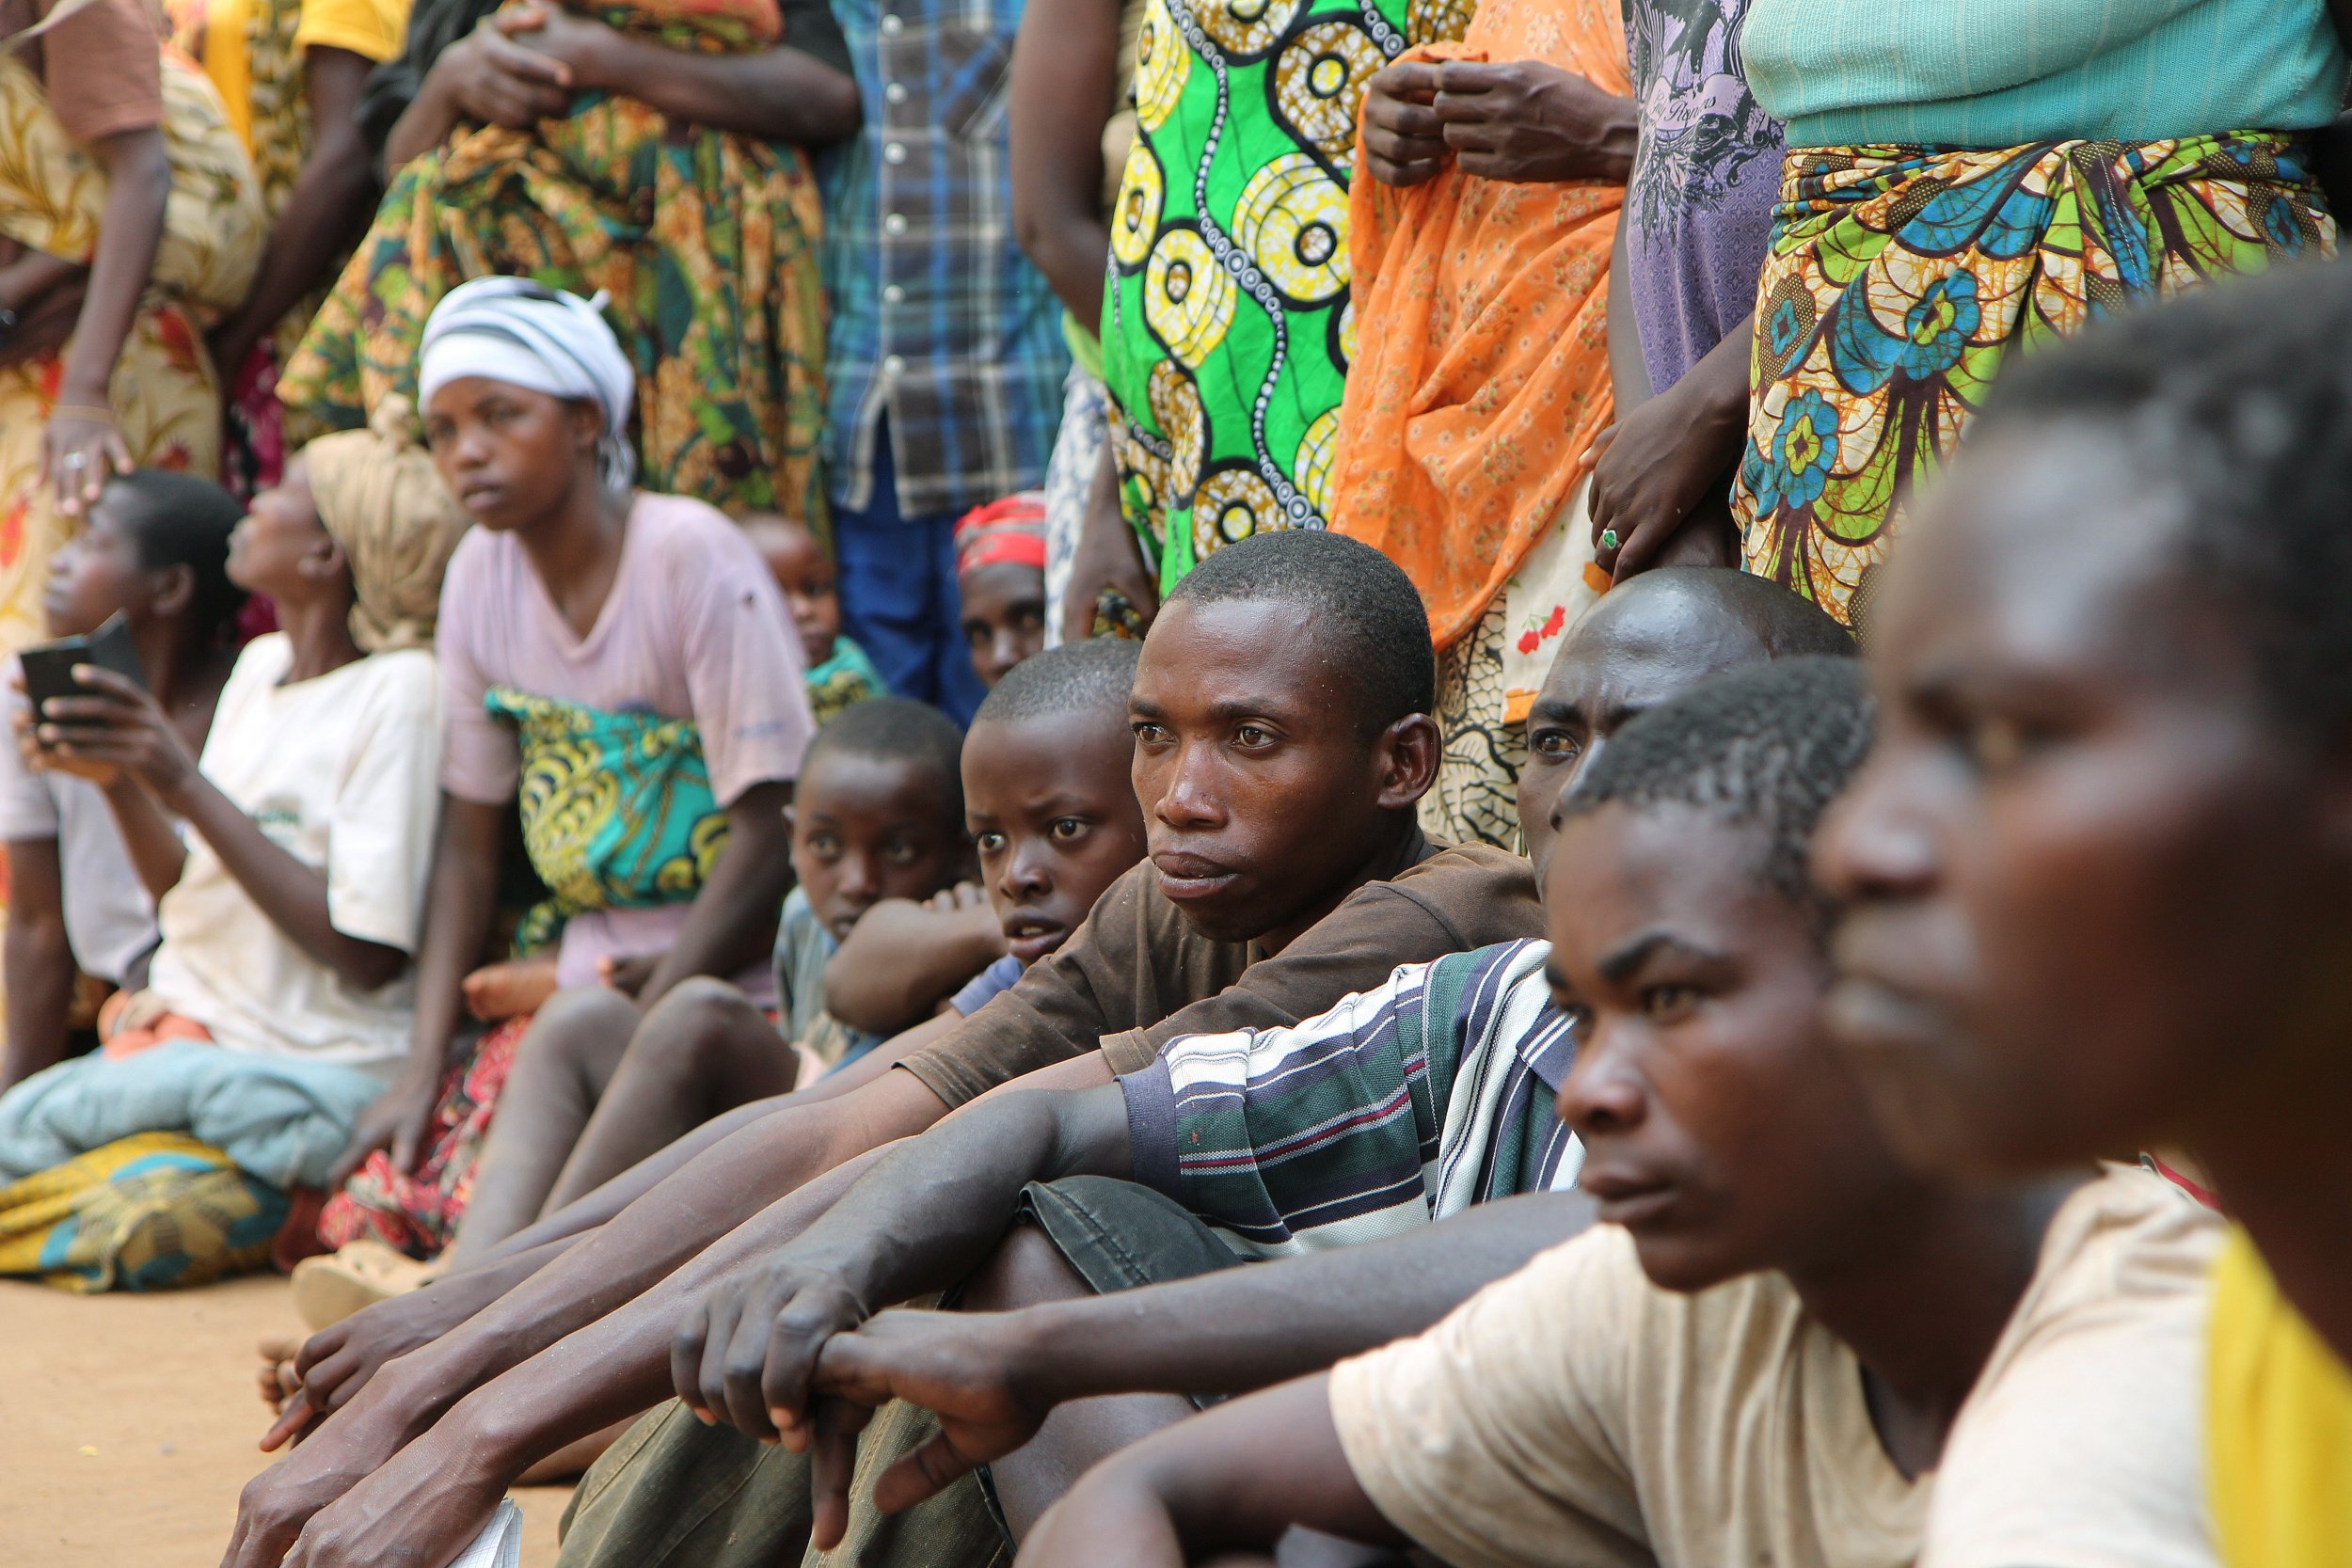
{"x": 1638, "y": 660}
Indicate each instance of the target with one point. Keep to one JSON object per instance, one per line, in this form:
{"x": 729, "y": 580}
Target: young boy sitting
{"x": 1782, "y": 1345}
{"x": 838, "y": 671}
{"x": 877, "y": 813}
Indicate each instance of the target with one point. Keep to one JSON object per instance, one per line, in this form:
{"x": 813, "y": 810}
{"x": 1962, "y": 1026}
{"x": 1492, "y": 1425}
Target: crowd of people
{"x": 1097, "y": 780}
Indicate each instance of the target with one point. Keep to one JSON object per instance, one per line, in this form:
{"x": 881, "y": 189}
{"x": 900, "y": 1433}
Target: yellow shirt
{"x": 216, "y": 33}
{"x": 2279, "y": 1427}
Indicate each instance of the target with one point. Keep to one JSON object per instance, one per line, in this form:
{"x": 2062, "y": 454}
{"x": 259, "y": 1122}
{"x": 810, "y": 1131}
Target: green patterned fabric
{"x": 617, "y": 810}
{"x": 1902, "y": 279}
{"x": 1226, "y": 329}
{"x": 705, "y": 243}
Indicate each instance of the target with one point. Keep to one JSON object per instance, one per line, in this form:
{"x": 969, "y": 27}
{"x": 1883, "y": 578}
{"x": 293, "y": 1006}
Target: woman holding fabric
{"x": 128, "y": 222}
{"x": 1959, "y": 188}
{"x": 1481, "y": 245}
{"x": 617, "y": 666}
{"x": 651, "y": 151}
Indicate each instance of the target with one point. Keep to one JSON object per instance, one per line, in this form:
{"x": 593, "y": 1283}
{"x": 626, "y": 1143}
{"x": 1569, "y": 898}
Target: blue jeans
{"x": 898, "y": 598}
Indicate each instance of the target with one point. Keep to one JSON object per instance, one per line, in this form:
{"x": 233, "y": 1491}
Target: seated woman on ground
{"x": 279, "y": 1001}
{"x": 541, "y": 141}
{"x": 877, "y": 813}
{"x": 618, "y": 669}
{"x": 155, "y": 552}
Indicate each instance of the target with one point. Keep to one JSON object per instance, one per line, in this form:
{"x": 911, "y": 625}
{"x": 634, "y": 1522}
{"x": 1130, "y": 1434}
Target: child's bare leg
{"x": 562, "y": 1066}
{"x": 701, "y": 1051}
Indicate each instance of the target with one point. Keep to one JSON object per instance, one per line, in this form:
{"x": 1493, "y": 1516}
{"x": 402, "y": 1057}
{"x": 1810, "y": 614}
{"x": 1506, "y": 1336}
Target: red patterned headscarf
{"x": 1010, "y": 531}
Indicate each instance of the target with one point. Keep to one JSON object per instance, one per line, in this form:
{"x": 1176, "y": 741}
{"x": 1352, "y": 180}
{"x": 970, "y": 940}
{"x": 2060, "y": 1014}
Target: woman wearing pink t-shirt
{"x": 619, "y": 668}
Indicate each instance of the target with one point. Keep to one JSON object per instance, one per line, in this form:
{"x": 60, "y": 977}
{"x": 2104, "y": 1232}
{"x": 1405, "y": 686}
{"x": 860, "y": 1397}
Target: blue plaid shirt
{"x": 939, "y": 322}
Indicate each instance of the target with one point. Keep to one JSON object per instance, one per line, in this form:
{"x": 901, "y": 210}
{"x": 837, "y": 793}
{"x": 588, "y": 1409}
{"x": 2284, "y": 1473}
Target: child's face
{"x": 804, "y": 572}
{"x": 1004, "y": 617}
{"x": 1720, "y": 1128}
{"x": 1054, "y": 814}
{"x": 280, "y": 531}
{"x": 866, "y": 829}
{"x": 95, "y": 575}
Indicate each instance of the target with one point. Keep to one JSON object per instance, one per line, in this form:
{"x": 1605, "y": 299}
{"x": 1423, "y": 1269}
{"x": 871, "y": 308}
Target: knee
{"x": 701, "y": 1021}
{"x": 577, "y": 1026}
{"x": 1026, "y": 1269}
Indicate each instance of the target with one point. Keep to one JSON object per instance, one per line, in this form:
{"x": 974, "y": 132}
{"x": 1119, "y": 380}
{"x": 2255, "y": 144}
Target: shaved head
{"x": 1650, "y": 638}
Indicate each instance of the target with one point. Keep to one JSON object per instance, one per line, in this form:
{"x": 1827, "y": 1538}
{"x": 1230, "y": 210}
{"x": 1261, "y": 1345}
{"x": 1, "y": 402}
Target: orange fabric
{"x": 1481, "y": 371}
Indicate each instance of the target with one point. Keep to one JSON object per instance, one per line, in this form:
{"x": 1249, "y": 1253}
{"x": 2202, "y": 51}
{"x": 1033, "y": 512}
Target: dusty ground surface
{"x": 127, "y": 1425}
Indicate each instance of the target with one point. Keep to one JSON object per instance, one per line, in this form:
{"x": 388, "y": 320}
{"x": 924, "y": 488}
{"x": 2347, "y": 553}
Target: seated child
{"x": 279, "y": 1001}
{"x": 838, "y": 671}
{"x": 877, "y": 813}
{"x": 1783, "y": 1345}
{"x": 1000, "y": 578}
{"x": 154, "y": 551}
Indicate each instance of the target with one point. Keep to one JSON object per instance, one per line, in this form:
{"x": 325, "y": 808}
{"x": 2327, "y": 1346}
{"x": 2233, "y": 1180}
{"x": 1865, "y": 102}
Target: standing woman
{"x": 618, "y": 666}
{"x": 291, "y": 73}
{"x": 128, "y": 222}
{"x": 1960, "y": 185}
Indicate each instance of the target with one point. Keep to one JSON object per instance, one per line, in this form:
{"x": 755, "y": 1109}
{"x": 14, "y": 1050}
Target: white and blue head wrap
{"x": 542, "y": 340}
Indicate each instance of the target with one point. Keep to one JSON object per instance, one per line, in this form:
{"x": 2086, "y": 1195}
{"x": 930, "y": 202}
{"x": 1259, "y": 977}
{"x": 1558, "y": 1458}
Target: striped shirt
{"x": 1397, "y": 1107}
{"x": 939, "y": 322}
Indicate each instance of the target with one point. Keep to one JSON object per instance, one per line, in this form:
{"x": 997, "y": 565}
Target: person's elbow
{"x": 137, "y": 167}
{"x": 833, "y": 106}
{"x": 369, "y": 965}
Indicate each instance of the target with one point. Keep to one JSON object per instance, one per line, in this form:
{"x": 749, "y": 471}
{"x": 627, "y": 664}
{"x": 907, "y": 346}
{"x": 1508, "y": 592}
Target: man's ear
{"x": 175, "y": 591}
{"x": 1408, "y": 753}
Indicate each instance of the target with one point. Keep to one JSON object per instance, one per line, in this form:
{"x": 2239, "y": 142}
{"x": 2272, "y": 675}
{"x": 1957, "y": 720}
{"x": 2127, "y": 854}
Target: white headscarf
{"x": 542, "y": 340}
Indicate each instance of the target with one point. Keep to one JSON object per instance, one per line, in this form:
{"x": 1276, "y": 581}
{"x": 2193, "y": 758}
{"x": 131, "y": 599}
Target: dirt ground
{"x": 127, "y": 1425}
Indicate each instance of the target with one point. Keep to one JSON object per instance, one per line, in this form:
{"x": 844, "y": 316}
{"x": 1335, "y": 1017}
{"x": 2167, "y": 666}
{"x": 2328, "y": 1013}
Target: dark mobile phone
{"x": 49, "y": 668}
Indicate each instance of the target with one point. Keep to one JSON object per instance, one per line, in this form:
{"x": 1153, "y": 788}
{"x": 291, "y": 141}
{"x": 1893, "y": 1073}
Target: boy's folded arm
{"x": 902, "y": 959}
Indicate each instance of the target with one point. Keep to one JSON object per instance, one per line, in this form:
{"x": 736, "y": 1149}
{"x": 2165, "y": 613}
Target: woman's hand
{"x": 1403, "y": 140}
{"x": 39, "y": 759}
{"x": 80, "y": 450}
{"x": 1661, "y": 466}
{"x": 397, "y": 1119}
{"x": 1526, "y": 121}
{"x": 1107, "y": 556}
{"x": 117, "y": 727}
{"x": 487, "y": 76}
{"x": 578, "y": 43}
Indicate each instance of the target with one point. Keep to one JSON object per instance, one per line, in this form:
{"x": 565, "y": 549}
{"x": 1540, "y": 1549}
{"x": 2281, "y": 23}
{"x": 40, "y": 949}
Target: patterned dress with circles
{"x": 1227, "y": 325}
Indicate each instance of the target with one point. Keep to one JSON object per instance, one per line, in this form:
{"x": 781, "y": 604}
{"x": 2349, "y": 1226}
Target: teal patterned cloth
{"x": 617, "y": 809}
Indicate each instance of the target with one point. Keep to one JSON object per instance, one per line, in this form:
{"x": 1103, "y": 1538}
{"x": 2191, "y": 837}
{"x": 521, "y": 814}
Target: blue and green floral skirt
{"x": 1900, "y": 277}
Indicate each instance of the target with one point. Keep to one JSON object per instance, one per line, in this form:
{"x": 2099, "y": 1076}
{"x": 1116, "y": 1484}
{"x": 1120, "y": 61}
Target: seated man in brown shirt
{"x": 1281, "y": 712}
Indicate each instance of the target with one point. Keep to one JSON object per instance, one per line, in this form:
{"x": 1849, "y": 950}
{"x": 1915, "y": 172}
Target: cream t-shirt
{"x": 343, "y": 772}
{"x": 1576, "y": 1414}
